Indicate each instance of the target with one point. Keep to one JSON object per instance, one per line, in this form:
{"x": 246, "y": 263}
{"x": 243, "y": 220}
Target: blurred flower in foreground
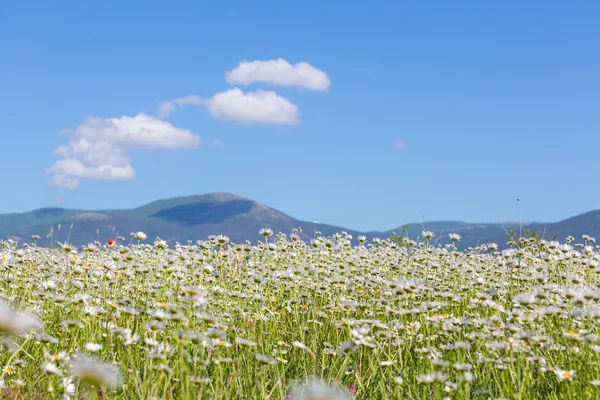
{"x": 96, "y": 373}
{"x": 16, "y": 323}
{"x": 315, "y": 389}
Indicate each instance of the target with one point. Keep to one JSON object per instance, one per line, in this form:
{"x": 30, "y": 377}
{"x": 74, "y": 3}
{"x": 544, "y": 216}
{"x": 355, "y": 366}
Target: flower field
{"x": 287, "y": 319}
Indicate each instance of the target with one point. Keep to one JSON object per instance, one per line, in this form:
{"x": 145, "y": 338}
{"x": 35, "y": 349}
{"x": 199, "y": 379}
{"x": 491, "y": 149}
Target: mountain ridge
{"x": 196, "y": 217}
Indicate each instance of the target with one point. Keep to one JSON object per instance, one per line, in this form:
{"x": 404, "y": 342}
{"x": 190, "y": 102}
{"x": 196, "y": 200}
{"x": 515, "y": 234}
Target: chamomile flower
{"x": 265, "y": 232}
{"x": 93, "y": 347}
{"x": 17, "y": 323}
{"x": 96, "y": 373}
{"x": 8, "y": 369}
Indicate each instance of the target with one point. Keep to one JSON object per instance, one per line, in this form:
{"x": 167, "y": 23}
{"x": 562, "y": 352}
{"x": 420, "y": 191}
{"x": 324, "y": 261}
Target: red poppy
{"x": 110, "y": 242}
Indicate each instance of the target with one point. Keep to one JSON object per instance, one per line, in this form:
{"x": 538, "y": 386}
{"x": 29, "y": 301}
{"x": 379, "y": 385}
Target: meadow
{"x": 282, "y": 318}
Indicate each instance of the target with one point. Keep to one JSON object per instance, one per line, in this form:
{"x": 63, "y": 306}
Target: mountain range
{"x": 194, "y": 218}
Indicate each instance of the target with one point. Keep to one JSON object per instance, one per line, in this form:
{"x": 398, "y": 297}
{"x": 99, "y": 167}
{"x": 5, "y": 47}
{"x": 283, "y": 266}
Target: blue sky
{"x": 490, "y": 100}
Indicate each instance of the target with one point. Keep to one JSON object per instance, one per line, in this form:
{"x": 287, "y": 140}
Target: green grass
{"x": 377, "y": 320}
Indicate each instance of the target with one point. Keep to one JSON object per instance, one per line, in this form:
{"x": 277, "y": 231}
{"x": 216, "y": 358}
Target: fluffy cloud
{"x": 97, "y": 149}
{"x": 184, "y": 101}
{"x": 262, "y": 106}
{"x": 139, "y": 132}
{"x": 254, "y": 107}
{"x": 279, "y": 72}
{"x": 166, "y": 108}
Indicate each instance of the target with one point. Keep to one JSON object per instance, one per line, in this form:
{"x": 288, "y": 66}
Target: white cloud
{"x": 260, "y": 106}
{"x": 234, "y": 105}
{"x": 167, "y": 107}
{"x": 97, "y": 148}
{"x": 64, "y": 181}
{"x": 92, "y": 153}
{"x": 280, "y": 73}
{"x": 140, "y": 132}
{"x": 66, "y": 172}
{"x": 188, "y": 100}
{"x": 253, "y": 107}
{"x": 399, "y": 144}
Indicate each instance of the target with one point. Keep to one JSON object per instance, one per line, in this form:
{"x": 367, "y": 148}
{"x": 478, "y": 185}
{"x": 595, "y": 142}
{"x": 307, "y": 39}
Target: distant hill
{"x": 196, "y": 217}
{"x": 178, "y": 219}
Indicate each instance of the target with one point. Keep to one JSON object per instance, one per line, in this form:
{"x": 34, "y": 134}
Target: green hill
{"x": 196, "y": 217}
